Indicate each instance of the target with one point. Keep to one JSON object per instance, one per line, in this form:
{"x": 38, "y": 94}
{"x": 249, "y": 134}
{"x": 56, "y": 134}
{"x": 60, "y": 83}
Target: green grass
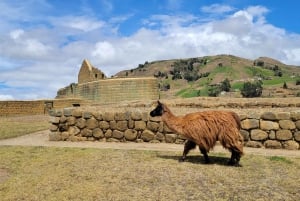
{"x": 16, "y": 126}
{"x": 40, "y": 173}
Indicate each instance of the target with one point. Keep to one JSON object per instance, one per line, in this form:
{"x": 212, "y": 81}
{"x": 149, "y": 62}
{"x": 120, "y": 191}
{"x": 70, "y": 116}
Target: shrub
{"x": 252, "y": 89}
{"x": 225, "y": 85}
{"x": 214, "y": 91}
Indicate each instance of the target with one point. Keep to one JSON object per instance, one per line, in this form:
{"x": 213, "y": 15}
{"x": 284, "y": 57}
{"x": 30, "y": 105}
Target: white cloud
{"x": 217, "y": 9}
{"x": 4, "y": 97}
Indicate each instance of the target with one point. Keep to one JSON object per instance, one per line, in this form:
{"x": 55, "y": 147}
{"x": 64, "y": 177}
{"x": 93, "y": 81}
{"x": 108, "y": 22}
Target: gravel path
{"x": 41, "y": 139}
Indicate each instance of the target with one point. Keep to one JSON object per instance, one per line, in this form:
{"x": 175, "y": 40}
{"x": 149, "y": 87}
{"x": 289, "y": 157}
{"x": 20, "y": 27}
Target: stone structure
{"x": 269, "y": 130}
{"x": 93, "y": 85}
{"x": 88, "y": 73}
{"x": 10, "y": 108}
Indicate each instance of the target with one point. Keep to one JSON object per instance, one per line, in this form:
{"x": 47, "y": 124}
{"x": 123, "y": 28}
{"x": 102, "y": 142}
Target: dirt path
{"x": 41, "y": 139}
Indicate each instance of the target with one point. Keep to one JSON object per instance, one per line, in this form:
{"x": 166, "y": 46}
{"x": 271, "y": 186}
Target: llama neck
{"x": 172, "y": 121}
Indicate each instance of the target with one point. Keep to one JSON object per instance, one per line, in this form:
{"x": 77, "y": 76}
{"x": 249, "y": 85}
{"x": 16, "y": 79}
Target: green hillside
{"x": 193, "y": 77}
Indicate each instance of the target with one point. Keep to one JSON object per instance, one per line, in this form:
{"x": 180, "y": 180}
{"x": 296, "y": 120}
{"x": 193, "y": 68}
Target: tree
{"x": 252, "y": 89}
{"x": 225, "y": 85}
{"x": 284, "y": 85}
{"x": 214, "y": 91}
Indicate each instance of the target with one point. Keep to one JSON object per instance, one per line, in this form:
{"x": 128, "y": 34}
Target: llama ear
{"x": 159, "y": 103}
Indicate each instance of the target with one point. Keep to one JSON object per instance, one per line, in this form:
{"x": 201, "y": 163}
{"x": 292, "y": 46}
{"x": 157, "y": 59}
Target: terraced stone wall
{"x": 269, "y": 129}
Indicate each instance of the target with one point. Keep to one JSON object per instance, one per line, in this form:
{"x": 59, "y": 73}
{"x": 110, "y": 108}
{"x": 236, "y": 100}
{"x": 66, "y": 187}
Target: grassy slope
{"x": 17, "y": 126}
{"x": 38, "y": 173}
{"x": 233, "y": 68}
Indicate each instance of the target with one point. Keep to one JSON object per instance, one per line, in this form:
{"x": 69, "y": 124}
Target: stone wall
{"x": 10, "y": 108}
{"x": 269, "y": 129}
{"x": 113, "y": 90}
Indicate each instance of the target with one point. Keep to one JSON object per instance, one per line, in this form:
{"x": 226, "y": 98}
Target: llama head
{"x": 158, "y": 111}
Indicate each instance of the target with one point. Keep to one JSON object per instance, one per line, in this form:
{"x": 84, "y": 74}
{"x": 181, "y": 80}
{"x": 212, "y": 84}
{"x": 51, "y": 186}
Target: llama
{"x": 204, "y": 129}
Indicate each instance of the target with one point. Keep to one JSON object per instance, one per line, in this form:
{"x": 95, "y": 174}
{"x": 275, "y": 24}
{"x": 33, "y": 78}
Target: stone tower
{"x": 88, "y": 73}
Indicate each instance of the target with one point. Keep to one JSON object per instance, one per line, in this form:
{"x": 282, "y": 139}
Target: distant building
{"x": 88, "y": 73}
{"x": 93, "y": 85}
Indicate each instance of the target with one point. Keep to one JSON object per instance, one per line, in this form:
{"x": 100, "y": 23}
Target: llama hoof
{"x": 231, "y": 163}
{"x": 181, "y": 160}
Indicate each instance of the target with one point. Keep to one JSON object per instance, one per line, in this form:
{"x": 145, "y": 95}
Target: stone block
{"x": 245, "y": 135}
{"x": 122, "y": 125}
{"x": 98, "y": 133}
{"x": 92, "y": 123}
{"x": 290, "y": 145}
{"x": 297, "y": 123}
{"x": 64, "y": 135}
{"x": 71, "y": 121}
{"x": 159, "y": 136}
{"x": 53, "y": 128}
{"x": 268, "y": 125}
{"x": 250, "y": 124}
{"x": 295, "y": 115}
{"x": 140, "y": 125}
{"x": 73, "y": 130}
{"x": 108, "y": 133}
{"x": 86, "y": 132}
{"x": 283, "y": 115}
{"x": 130, "y": 134}
{"x": 147, "y": 135}
{"x": 113, "y": 125}
{"x": 97, "y": 115}
{"x": 62, "y": 119}
{"x": 297, "y": 136}
{"x": 284, "y": 135}
{"x": 268, "y": 116}
{"x": 254, "y": 144}
{"x": 68, "y": 111}
{"x": 153, "y": 126}
{"x": 103, "y": 125}
{"x": 54, "y": 120}
{"x": 272, "y": 144}
{"x": 171, "y": 138}
{"x": 77, "y": 113}
{"x": 136, "y": 115}
{"x": 81, "y": 123}
{"x": 117, "y": 134}
{"x": 287, "y": 124}
{"x": 258, "y": 135}
{"x": 87, "y": 115}
{"x": 122, "y": 116}
{"x": 108, "y": 116}
{"x": 54, "y": 136}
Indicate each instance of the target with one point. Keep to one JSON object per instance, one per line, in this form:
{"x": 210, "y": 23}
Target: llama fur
{"x": 205, "y": 129}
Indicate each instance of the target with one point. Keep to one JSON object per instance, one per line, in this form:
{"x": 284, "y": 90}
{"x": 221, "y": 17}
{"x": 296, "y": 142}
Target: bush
{"x": 252, "y": 89}
{"x": 225, "y": 85}
{"x": 214, "y": 91}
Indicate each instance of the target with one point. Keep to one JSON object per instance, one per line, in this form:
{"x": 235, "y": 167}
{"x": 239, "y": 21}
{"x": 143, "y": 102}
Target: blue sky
{"x": 43, "y": 42}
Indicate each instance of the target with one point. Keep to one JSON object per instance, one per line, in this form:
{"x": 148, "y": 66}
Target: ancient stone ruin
{"x": 94, "y": 85}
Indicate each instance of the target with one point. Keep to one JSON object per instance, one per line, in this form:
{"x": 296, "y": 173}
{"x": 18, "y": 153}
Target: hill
{"x": 194, "y": 76}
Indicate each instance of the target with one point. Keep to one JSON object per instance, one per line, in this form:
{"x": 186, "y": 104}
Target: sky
{"x": 43, "y": 42}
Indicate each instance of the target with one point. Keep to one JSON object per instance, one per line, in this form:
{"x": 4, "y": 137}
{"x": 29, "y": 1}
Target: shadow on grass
{"x": 198, "y": 159}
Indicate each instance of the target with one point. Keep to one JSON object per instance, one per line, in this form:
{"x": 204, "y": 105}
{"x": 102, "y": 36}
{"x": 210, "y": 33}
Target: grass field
{"x": 39, "y": 173}
{"x": 21, "y": 125}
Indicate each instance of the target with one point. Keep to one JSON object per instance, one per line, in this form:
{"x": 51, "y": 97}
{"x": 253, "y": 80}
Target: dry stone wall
{"x": 270, "y": 130}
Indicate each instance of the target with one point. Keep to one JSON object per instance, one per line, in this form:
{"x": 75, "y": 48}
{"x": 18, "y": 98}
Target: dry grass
{"x": 22, "y": 125}
{"x": 39, "y": 173}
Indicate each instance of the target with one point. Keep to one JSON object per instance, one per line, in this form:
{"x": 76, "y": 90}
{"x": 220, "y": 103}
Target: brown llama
{"x": 205, "y": 129}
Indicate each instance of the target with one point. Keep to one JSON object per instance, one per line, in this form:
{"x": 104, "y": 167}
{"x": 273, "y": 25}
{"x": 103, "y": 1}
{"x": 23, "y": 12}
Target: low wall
{"x": 269, "y": 129}
{"x": 11, "y": 108}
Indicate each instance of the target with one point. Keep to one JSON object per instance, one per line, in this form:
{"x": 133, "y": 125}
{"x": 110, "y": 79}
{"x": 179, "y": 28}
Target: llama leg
{"x": 204, "y": 152}
{"x": 187, "y": 147}
{"x": 235, "y": 158}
